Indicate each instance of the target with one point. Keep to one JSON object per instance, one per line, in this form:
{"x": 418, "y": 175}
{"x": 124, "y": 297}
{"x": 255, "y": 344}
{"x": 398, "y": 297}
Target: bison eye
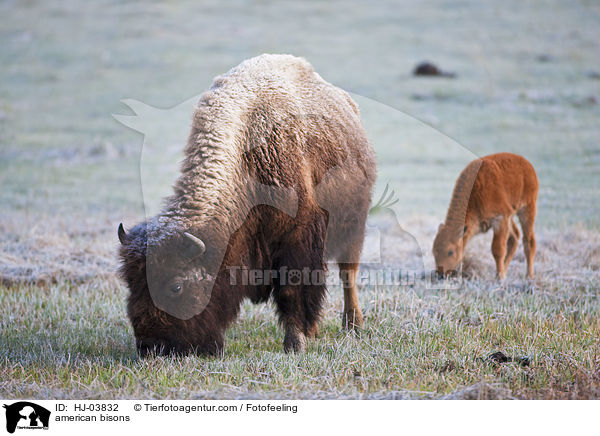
{"x": 176, "y": 289}
{"x": 451, "y": 252}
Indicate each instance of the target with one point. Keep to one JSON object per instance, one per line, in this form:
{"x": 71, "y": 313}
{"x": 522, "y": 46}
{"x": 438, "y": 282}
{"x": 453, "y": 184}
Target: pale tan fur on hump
{"x": 287, "y": 85}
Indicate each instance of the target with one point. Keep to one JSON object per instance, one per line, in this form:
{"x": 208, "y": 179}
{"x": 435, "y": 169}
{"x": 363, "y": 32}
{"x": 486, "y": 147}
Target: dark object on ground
{"x": 429, "y": 69}
{"x": 544, "y": 58}
{"x": 500, "y": 357}
{"x": 590, "y": 100}
{"x": 593, "y": 75}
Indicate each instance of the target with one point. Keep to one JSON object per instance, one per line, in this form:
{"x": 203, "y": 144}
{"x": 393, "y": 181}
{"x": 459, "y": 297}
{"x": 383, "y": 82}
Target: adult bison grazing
{"x": 276, "y": 179}
{"x": 487, "y": 194}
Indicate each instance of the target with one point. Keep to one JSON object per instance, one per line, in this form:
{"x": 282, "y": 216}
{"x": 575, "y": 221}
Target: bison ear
{"x": 440, "y": 227}
{"x": 121, "y": 233}
{"x": 197, "y": 247}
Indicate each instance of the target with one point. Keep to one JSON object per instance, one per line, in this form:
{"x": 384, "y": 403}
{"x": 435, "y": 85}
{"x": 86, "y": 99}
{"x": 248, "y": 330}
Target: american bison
{"x": 487, "y": 194}
{"x": 276, "y": 179}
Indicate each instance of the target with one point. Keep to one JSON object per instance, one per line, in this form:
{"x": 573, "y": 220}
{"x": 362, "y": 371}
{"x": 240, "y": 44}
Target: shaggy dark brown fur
{"x": 277, "y": 176}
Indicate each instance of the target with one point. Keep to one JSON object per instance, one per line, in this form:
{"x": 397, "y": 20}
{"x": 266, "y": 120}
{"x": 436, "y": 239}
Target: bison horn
{"x": 199, "y": 245}
{"x": 122, "y": 234}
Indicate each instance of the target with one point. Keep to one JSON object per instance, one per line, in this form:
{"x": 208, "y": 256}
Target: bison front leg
{"x": 301, "y": 289}
{"x": 299, "y": 307}
{"x": 289, "y": 304}
{"x": 212, "y": 344}
{"x": 499, "y": 251}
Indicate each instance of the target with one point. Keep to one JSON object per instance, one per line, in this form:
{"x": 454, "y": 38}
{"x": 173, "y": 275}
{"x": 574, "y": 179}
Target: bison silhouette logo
{"x": 26, "y": 415}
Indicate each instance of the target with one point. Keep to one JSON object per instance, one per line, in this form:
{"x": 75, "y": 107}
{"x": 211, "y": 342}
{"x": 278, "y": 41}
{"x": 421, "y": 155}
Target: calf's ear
{"x": 121, "y": 233}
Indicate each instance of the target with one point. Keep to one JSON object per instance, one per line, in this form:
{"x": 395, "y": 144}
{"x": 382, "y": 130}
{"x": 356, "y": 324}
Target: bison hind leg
{"x": 511, "y": 243}
{"x": 348, "y": 263}
{"x": 352, "y": 318}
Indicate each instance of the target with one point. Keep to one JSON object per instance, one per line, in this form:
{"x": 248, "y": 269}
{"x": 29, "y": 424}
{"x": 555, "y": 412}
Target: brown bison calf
{"x": 487, "y": 194}
{"x": 276, "y": 178}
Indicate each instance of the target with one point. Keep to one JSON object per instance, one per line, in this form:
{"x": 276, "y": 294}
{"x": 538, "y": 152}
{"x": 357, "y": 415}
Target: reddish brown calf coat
{"x": 489, "y": 192}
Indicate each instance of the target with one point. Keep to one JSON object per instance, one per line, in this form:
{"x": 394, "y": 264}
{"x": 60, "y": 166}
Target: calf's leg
{"x": 499, "y": 251}
{"x": 511, "y": 243}
{"x": 527, "y": 219}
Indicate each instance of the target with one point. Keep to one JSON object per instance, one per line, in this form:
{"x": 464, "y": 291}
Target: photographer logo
{"x": 26, "y": 415}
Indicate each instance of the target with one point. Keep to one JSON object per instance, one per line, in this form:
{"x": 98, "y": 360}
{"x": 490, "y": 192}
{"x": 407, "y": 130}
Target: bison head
{"x": 448, "y": 250}
{"x": 166, "y": 272}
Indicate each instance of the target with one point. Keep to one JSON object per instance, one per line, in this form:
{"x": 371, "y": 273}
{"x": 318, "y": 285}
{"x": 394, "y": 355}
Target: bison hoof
{"x": 352, "y": 320}
{"x": 294, "y": 341}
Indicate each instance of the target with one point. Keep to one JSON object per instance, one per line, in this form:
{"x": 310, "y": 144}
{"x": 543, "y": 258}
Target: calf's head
{"x": 448, "y": 249}
{"x": 169, "y": 288}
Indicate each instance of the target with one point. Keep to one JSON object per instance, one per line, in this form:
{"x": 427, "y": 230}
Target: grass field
{"x": 528, "y": 81}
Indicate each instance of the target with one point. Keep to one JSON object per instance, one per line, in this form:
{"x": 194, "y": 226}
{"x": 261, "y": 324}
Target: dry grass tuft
{"x": 481, "y": 391}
